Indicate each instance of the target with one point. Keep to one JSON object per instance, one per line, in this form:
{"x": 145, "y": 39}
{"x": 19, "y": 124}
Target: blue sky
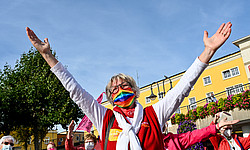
{"x": 97, "y": 39}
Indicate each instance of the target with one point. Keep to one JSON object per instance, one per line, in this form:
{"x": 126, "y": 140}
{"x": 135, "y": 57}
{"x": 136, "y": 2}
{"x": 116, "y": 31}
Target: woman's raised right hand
{"x": 42, "y": 47}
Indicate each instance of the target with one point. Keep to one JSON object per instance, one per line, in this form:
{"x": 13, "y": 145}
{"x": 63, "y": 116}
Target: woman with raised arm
{"x": 186, "y": 140}
{"x": 89, "y": 140}
{"x": 132, "y": 126}
{"x": 226, "y": 140}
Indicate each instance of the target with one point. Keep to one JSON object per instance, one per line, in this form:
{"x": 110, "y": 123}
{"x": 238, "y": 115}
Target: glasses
{"x": 8, "y": 143}
{"x": 228, "y": 128}
{"x": 123, "y": 85}
{"x": 89, "y": 141}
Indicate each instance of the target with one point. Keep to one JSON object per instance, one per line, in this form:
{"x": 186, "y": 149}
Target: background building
{"x": 224, "y": 76}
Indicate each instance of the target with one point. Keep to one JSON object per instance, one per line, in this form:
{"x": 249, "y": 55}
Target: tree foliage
{"x": 32, "y": 97}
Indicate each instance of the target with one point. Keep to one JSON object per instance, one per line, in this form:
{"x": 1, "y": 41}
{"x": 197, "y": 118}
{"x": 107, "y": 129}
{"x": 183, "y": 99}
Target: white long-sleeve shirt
{"x": 163, "y": 109}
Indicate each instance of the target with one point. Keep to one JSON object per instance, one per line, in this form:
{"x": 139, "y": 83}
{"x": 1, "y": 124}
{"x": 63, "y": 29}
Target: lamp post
{"x": 152, "y": 96}
{"x": 161, "y": 94}
{"x": 170, "y": 82}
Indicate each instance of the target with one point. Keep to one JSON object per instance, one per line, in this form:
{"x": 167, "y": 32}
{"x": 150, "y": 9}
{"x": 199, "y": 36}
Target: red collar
{"x": 129, "y": 112}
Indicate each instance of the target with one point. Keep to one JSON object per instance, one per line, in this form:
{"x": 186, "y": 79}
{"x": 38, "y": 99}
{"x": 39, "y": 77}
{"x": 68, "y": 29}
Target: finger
{"x": 28, "y": 31}
{"x": 72, "y": 122}
{"x": 32, "y": 36}
{"x": 205, "y": 36}
{"x": 231, "y": 122}
{"x": 234, "y": 121}
{"x": 226, "y": 29}
{"x": 46, "y": 41}
{"x": 228, "y": 33}
{"x": 220, "y": 28}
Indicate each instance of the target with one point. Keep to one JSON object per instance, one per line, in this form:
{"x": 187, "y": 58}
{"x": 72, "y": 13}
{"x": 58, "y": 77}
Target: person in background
{"x": 186, "y": 140}
{"x": 227, "y": 140}
{"x": 51, "y": 146}
{"x": 7, "y": 142}
{"x": 128, "y": 125}
{"x": 89, "y": 140}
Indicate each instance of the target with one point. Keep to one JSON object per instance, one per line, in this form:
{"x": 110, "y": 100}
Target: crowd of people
{"x": 129, "y": 125}
{"x": 218, "y": 133}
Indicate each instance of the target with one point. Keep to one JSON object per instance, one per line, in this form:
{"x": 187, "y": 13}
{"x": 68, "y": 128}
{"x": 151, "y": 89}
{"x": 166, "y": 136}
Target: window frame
{"x": 205, "y": 84}
{"x": 46, "y": 140}
{"x": 236, "y": 89}
{"x": 160, "y": 95}
{"x": 147, "y": 100}
{"x": 230, "y": 72}
{"x": 192, "y": 105}
{"x": 178, "y": 110}
{"x": 61, "y": 139}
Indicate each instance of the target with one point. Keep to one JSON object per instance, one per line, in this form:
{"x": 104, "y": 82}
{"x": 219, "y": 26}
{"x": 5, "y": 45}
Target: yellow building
{"x": 229, "y": 74}
{"x": 51, "y": 136}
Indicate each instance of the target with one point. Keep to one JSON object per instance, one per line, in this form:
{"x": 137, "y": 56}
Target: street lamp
{"x": 170, "y": 82}
{"x": 152, "y": 96}
{"x": 161, "y": 94}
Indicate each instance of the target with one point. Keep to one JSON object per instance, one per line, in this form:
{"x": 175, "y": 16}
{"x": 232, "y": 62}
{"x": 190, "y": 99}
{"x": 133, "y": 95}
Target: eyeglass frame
{"x": 120, "y": 85}
{"x": 227, "y": 128}
{"x": 8, "y": 143}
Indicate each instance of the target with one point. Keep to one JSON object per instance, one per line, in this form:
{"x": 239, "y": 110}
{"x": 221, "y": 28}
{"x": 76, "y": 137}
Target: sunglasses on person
{"x": 8, "y": 143}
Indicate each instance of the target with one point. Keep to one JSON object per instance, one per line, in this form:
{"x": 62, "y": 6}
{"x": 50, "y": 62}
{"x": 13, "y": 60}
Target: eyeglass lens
{"x": 123, "y": 85}
{"x": 7, "y": 143}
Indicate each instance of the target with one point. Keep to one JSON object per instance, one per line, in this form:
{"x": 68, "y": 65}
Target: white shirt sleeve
{"x": 173, "y": 99}
{"x": 94, "y": 111}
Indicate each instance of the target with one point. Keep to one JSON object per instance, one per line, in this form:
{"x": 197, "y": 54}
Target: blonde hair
{"x": 90, "y": 136}
{"x": 126, "y": 78}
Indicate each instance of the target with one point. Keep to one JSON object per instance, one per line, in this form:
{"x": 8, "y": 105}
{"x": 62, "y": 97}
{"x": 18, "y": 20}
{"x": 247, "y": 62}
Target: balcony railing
{"x": 231, "y": 91}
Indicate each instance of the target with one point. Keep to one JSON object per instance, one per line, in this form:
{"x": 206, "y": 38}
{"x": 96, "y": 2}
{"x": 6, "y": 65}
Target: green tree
{"x": 32, "y": 97}
{"x": 23, "y": 135}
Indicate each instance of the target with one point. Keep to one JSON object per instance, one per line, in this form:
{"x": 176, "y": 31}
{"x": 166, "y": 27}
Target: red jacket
{"x": 185, "y": 140}
{"x": 220, "y": 143}
{"x": 69, "y": 145}
{"x": 150, "y": 135}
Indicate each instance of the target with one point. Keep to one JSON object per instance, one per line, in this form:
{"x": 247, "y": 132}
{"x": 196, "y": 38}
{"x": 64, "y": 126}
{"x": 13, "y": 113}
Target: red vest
{"x": 150, "y": 135}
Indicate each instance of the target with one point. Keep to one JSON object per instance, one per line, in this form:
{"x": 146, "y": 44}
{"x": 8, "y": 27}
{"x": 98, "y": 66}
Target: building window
{"x": 235, "y": 89}
{"x": 61, "y": 139}
{"x": 46, "y": 140}
{"x": 29, "y": 140}
{"x": 148, "y": 100}
{"x": 178, "y": 110}
{"x": 210, "y": 97}
{"x": 17, "y": 142}
{"x": 192, "y": 103}
{"x": 235, "y": 71}
{"x": 230, "y": 73}
{"x": 160, "y": 95}
{"x": 77, "y": 138}
{"x": 207, "y": 80}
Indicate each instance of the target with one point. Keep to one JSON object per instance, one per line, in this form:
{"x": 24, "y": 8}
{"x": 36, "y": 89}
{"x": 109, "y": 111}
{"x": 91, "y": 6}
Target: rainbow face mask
{"x": 124, "y": 98}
